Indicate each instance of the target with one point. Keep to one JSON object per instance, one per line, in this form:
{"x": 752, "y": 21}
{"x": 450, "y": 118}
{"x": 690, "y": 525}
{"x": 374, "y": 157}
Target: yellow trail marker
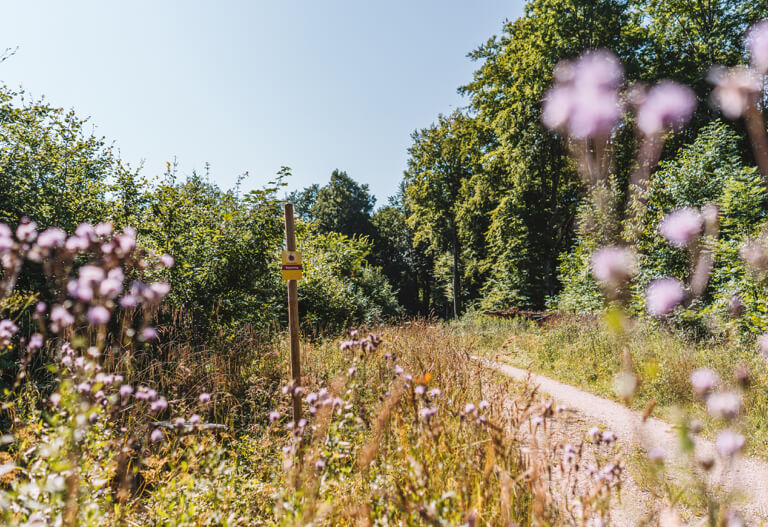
{"x": 292, "y": 265}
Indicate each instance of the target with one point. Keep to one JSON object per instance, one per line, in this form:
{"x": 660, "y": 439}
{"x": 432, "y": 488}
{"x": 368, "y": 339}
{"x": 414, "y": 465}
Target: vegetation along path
{"x": 748, "y": 476}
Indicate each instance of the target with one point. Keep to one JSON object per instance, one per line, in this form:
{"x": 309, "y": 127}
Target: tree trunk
{"x": 456, "y": 277}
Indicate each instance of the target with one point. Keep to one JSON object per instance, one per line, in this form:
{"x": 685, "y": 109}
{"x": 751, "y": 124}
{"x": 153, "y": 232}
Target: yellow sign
{"x": 292, "y": 265}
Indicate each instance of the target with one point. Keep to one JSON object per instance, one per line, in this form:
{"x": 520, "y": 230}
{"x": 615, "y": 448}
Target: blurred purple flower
{"x": 90, "y": 274}
{"x": 85, "y": 230}
{"x": 668, "y": 106}
{"x": 483, "y": 405}
{"x": 167, "y": 260}
{"x": 725, "y": 405}
{"x": 156, "y": 435}
{"x": 613, "y": 265}
{"x": 434, "y": 392}
{"x": 61, "y": 318}
{"x": 52, "y": 238}
{"x": 126, "y": 390}
{"x": 680, "y": 227}
{"x": 398, "y": 370}
{"x": 734, "y": 89}
{"x": 470, "y": 408}
{"x": 103, "y": 229}
{"x": 274, "y": 416}
{"x": 98, "y": 315}
{"x": 7, "y": 330}
{"x": 194, "y": 419}
{"x": 35, "y": 342}
{"x": 729, "y": 443}
{"x": 204, "y": 397}
{"x": 77, "y": 243}
{"x": 129, "y": 302}
{"x": 55, "y": 398}
{"x": 657, "y": 454}
{"x": 149, "y": 333}
{"x": 158, "y": 405}
{"x": 663, "y": 295}
{"x": 26, "y": 231}
{"x": 585, "y": 100}
{"x": 703, "y": 380}
{"x": 427, "y": 413}
{"x": 757, "y": 43}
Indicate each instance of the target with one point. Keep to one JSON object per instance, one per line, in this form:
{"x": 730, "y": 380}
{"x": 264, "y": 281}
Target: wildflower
{"x": 703, "y": 380}
{"x": 179, "y": 422}
{"x": 483, "y": 405}
{"x": 613, "y": 265}
{"x": 312, "y": 398}
{"x": 398, "y": 370}
{"x": 319, "y": 464}
{"x": 7, "y": 330}
{"x": 594, "y": 434}
{"x": 35, "y": 342}
{"x": 156, "y": 435}
{"x": 98, "y": 315}
{"x": 608, "y": 437}
{"x": 110, "y": 288}
{"x": 167, "y": 260}
{"x": 158, "y": 405}
{"x": 729, "y": 443}
{"x": 55, "y": 398}
{"x": 585, "y": 100}
{"x": 52, "y": 238}
{"x": 26, "y": 231}
{"x": 351, "y": 371}
{"x": 427, "y": 413}
{"x": 663, "y": 295}
{"x": 83, "y": 387}
{"x": 569, "y": 453}
{"x": 538, "y": 420}
{"x": 681, "y": 226}
{"x": 126, "y": 390}
{"x": 668, "y": 105}
{"x": 302, "y": 423}
{"x": 420, "y": 389}
{"x": 129, "y": 302}
{"x": 757, "y": 43}
{"x": 149, "y": 333}
{"x": 725, "y": 405}
{"x": 274, "y": 416}
{"x": 735, "y": 89}
{"x": 61, "y": 318}
{"x": 657, "y": 454}
{"x": 469, "y": 408}
{"x": 434, "y": 392}
{"x": 77, "y": 243}
{"x": 194, "y": 419}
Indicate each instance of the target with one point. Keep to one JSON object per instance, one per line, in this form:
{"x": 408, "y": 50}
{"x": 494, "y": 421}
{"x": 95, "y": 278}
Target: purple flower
{"x": 757, "y": 43}
{"x": 703, "y": 380}
{"x": 434, "y": 392}
{"x": 7, "y": 330}
{"x": 613, "y": 265}
{"x": 85, "y": 230}
{"x": 594, "y": 434}
{"x": 729, "y": 443}
{"x": 681, "y": 226}
{"x": 608, "y": 437}
{"x": 61, "y": 318}
{"x": 55, "y": 398}
{"x": 35, "y": 342}
{"x": 156, "y": 435}
{"x": 103, "y": 229}
{"x": 26, "y": 231}
{"x": 420, "y": 389}
{"x": 427, "y": 413}
{"x": 158, "y": 405}
{"x": 469, "y": 408}
{"x": 398, "y": 370}
{"x": 204, "y": 397}
{"x": 194, "y": 419}
{"x": 110, "y": 288}
{"x": 483, "y": 405}
{"x": 657, "y": 454}
{"x": 274, "y": 416}
{"x": 126, "y": 390}
{"x": 668, "y": 105}
{"x": 52, "y": 238}
{"x": 725, "y": 405}
{"x": 149, "y": 333}
{"x": 735, "y": 89}
{"x": 98, "y": 315}
{"x": 129, "y": 302}
{"x": 663, "y": 295}
{"x": 83, "y": 387}
{"x": 585, "y": 100}
{"x": 167, "y": 260}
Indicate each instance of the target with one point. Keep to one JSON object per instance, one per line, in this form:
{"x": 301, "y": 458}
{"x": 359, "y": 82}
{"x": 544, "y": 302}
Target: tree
{"x": 343, "y": 206}
{"x": 442, "y": 158}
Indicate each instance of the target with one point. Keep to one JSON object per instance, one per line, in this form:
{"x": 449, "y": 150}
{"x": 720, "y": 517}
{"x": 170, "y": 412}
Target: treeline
{"x": 491, "y": 211}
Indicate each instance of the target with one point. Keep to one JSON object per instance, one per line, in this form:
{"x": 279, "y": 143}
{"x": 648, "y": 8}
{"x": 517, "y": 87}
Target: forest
{"x": 608, "y": 171}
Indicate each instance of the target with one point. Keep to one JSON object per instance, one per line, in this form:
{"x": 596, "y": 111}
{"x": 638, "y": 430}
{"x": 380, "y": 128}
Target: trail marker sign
{"x": 292, "y": 265}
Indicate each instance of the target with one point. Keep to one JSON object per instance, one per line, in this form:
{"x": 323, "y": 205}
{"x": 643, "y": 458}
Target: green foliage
{"x": 340, "y": 288}
{"x": 342, "y": 206}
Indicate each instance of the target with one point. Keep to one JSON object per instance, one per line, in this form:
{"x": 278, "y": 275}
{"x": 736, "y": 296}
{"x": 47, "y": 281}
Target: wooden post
{"x": 293, "y": 314}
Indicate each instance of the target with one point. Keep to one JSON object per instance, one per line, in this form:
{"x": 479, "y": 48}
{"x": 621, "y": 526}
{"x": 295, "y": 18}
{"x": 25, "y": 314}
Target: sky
{"x": 250, "y": 86}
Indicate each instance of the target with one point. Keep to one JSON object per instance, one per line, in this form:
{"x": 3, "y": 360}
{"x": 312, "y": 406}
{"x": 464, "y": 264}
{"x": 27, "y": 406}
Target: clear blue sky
{"x": 253, "y": 85}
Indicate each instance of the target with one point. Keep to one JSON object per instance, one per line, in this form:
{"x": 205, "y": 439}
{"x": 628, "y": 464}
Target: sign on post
{"x": 292, "y": 260}
{"x": 292, "y": 265}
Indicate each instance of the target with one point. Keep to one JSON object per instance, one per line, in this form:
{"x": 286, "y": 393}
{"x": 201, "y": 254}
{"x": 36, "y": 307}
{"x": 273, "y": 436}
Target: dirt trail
{"x": 747, "y": 476}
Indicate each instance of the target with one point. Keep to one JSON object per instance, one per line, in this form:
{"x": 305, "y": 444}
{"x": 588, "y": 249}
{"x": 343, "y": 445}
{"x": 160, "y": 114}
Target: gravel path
{"x": 747, "y": 476}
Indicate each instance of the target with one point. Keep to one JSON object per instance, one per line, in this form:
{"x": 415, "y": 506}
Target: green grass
{"x": 582, "y": 351}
